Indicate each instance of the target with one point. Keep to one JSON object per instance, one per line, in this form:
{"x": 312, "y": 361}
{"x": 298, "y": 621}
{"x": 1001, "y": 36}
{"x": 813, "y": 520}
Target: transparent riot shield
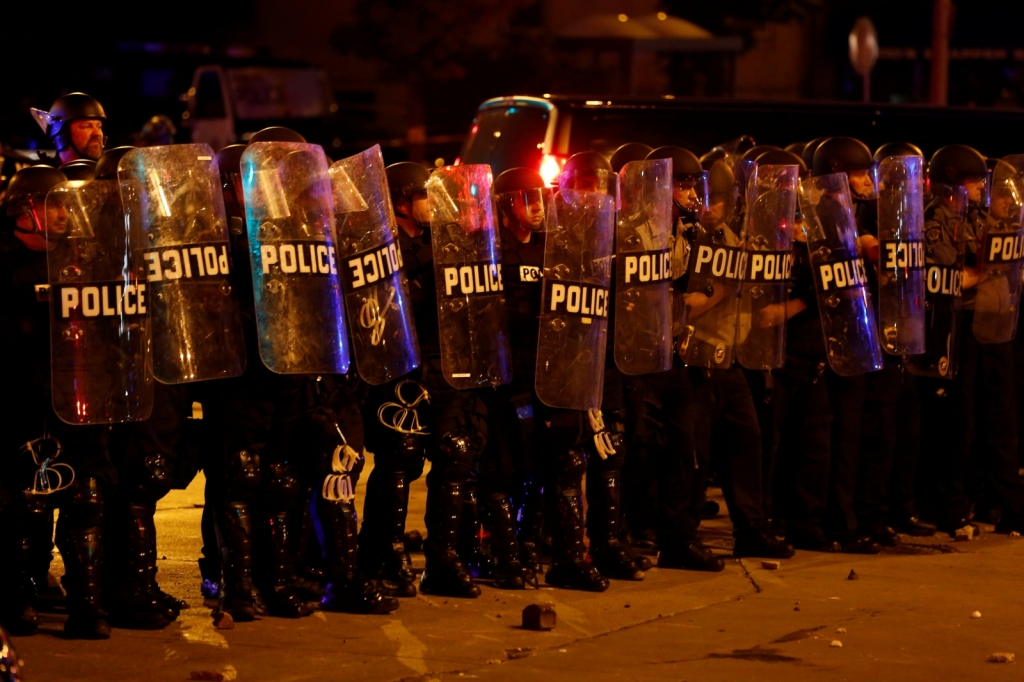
{"x": 472, "y": 320}
{"x": 573, "y": 337}
{"x": 901, "y": 249}
{"x": 944, "y": 221}
{"x": 643, "y": 270}
{"x": 770, "y": 218}
{"x": 178, "y": 232}
{"x": 840, "y": 276}
{"x": 370, "y": 264}
{"x": 289, "y": 212}
{"x": 997, "y": 302}
{"x": 99, "y": 309}
{"x": 717, "y": 266}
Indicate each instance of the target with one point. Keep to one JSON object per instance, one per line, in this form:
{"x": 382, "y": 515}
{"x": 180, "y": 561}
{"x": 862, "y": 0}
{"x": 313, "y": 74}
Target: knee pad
{"x": 242, "y": 475}
{"x": 155, "y": 478}
{"x": 283, "y": 487}
{"x": 457, "y": 453}
{"x": 86, "y": 503}
{"x": 572, "y": 464}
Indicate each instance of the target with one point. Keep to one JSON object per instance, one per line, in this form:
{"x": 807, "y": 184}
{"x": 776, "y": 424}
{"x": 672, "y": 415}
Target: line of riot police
{"x": 800, "y": 325}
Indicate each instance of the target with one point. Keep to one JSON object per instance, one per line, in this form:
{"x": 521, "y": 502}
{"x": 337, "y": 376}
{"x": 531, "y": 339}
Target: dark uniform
{"x": 35, "y": 439}
{"x": 411, "y": 419}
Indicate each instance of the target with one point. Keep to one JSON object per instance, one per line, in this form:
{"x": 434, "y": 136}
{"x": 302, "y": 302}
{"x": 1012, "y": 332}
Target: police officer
{"x": 46, "y": 463}
{"x": 416, "y": 417}
{"x": 668, "y": 430}
{"x": 734, "y": 438}
{"x": 891, "y": 444}
{"x": 509, "y": 468}
{"x": 976, "y": 412}
{"x": 846, "y": 394}
{"x": 75, "y": 125}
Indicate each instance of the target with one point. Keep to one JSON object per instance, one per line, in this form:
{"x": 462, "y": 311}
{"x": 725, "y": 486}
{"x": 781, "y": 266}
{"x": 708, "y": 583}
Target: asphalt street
{"x": 906, "y": 616}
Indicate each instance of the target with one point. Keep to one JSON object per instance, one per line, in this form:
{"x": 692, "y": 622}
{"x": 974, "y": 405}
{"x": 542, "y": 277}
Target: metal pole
{"x": 940, "y": 52}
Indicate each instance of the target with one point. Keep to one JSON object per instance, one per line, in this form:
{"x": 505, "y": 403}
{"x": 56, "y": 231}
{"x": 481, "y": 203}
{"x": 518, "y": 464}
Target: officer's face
{"x": 421, "y": 209}
{"x": 528, "y": 208}
{"x": 87, "y": 137}
{"x": 684, "y": 194}
{"x": 716, "y": 210}
{"x": 861, "y": 184}
{"x": 1002, "y": 204}
{"x": 974, "y": 188}
{"x": 56, "y": 218}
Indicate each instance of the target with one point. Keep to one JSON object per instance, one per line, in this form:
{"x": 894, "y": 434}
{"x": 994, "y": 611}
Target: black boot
{"x": 445, "y": 575}
{"x": 346, "y": 590}
{"x": 240, "y": 597}
{"x": 278, "y": 591}
{"x": 382, "y": 553}
{"x": 692, "y": 556}
{"x": 509, "y": 571}
{"x": 569, "y": 566}
{"x": 136, "y": 604}
{"x": 18, "y": 610}
{"x": 531, "y": 526}
{"x": 471, "y": 547}
{"x": 609, "y": 555}
{"x": 80, "y": 541}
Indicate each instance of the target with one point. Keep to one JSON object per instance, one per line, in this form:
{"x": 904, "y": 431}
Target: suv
{"x": 542, "y": 132}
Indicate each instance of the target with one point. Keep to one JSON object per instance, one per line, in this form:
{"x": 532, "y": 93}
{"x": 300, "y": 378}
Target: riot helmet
{"x": 57, "y": 123}
{"x": 520, "y": 196}
{"x": 756, "y": 151}
{"x": 631, "y": 151}
{"x": 588, "y": 172}
{"x": 795, "y": 148}
{"x": 689, "y": 180}
{"x": 721, "y": 192}
{"x": 851, "y": 156}
{"x": 897, "y": 149}
{"x": 277, "y": 134}
{"x": 808, "y": 151}
{"x": 25, "y": 204}
{"x": 106, "y": 167}
{"x": 158, "y": 130}
{"x": 407, "y": 182}
{"x": 958, "y": 164}
{"x": 1006, "y": 197}
{"x": 79, "y": 169}
{"x": 709, "y": 159}
{"x": 781, "y": 157}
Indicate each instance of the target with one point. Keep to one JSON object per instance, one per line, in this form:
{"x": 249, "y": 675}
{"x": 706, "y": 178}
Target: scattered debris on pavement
{"x": 1001, "y": 657}
{"x": 965, "y": 534}
{"x": 976, "y": 614}
{"x": 836, "y": 644}
{"x": 771, "y": 565}
{"x": 539, "y": 617}
{"x": 853, "y": 575}
{"x": 226, "y": 674}
{"x": 222, "y": 620}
